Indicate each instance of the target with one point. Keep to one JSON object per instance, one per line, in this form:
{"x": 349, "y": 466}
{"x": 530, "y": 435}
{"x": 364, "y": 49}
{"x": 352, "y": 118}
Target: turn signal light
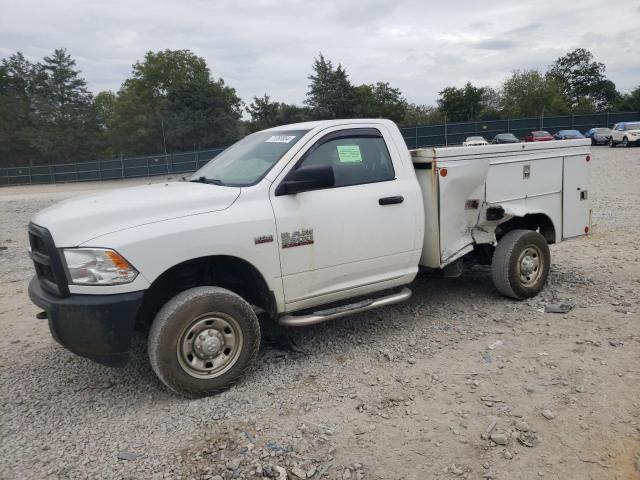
{"x": 588, "y": 158}
{"x": 443, "y": 172}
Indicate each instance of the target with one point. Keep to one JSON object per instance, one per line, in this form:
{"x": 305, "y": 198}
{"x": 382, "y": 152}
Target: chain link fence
{"x": 455, "y": 133}
{"x": 179, "y": 163}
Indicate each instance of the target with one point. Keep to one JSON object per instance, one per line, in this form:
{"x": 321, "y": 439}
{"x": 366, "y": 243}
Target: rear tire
{"x": 203, "y": 341}
{"x": 520, "y": 265}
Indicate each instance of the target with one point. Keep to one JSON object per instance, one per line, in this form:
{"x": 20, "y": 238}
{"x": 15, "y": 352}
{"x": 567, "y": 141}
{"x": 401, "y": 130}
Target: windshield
{"x": 603, "y": 130}
{"x": 475, "y": 139}
{"x": 541, "y": 133}
{"x": 632, "y": 126}
{"x": 506, "y": 135}
{"x": 247, "y": 161}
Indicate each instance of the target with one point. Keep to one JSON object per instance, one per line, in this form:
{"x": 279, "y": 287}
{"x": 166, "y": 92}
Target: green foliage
{"x": 46, "y": 113}
{"x": 461, "y": 104}
{"x": 630, "y": 102}
{"x": 379, "y": 100}
{"x": 581, "y": 77}
{"x": 421, "y": 115}
{"x": 528, "y": 93}
{"x": 170, "y": 103}
{"x": 202, "y": 114}
{"x": 330, "y": 93}
{"x": 65, "y": 122}
{"x": 103, "y": 111}
{"x": 16, "y": 112}
{"x": 265, "y": 113}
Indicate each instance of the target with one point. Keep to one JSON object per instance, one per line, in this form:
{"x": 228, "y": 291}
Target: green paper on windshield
{"x": 349, "y": 153}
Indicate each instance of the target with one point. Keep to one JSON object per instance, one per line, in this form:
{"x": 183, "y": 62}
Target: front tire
{"x": 612, "y": 143}
{"x": 203, "y": 341}
{"x": 625, "y": 142}
{"x": 520, "y": 265}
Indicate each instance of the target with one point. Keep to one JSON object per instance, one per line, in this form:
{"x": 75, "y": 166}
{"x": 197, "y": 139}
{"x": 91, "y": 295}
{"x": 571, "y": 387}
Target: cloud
{"x": 496, "y": 44}
{"x": 258, "y": 46}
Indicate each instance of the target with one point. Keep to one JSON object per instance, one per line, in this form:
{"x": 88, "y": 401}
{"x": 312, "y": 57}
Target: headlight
{"x": 98, "y": 266}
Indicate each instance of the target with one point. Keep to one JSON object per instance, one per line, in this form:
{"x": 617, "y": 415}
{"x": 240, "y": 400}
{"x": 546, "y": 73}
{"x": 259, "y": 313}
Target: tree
{"x": 103, "y": 111}
{"x": 63, "y": 114}
{"x": 330, "y": 93}
{"x": 16, "y": 110}
{"x": 461, "y": 104}
{"x": 421, "y": 115}
{"x": 528, "y": 93}
{"x": 265, "y": 113}
{"x": 379, "y": 100}
{"x": 630, "y": 102}
{"x": 581, "y": 76}
{"x": 490, "y": 103}
{"x": 202, "y": 114}
{"x": 170, "y": 102}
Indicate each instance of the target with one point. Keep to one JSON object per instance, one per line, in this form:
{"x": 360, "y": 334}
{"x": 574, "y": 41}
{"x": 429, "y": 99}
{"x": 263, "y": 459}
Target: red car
{"x": 538, "y": 136}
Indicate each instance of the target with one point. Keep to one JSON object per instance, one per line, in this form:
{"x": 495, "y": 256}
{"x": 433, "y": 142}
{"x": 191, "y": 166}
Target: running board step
{"x": 344, "y": 310}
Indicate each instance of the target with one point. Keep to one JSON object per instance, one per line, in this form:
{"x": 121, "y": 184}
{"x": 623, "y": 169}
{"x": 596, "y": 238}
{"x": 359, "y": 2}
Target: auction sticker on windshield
{"x": 280, "y": 139}
{"x": 349, "y": 153}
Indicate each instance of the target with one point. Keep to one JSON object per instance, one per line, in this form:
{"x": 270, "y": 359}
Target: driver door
{"x": 349, "y": 238}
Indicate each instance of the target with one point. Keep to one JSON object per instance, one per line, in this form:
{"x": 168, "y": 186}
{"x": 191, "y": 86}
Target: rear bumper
{"x": 98, "y": 327}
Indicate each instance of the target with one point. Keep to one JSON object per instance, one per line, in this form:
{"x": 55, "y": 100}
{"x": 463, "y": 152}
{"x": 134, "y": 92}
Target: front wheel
{"x": 203, "y": 341}
{"x": 521, "y": 264}
{"x": 612, "y": 143}
{"x": 625, "y": 142}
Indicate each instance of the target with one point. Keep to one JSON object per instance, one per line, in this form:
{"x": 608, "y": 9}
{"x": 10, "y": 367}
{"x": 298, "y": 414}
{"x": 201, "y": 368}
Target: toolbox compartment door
{"x": 576, "y": 204}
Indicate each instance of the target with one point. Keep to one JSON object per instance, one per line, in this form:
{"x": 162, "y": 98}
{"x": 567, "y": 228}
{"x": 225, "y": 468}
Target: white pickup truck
{"x": 301, "y": 223}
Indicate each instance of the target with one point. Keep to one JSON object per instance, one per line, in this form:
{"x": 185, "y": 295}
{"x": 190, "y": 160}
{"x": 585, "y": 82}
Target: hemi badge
{"x": 263, "y": 239}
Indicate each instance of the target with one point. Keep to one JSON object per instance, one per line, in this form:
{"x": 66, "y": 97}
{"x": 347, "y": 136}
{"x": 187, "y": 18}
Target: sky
{"x": 266, "y": 46}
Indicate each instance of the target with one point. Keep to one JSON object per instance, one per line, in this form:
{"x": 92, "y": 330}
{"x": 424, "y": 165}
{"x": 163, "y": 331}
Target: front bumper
{"x": 98, "y": 327}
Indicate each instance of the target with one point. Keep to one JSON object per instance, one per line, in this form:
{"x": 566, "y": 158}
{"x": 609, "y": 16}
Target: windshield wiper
{"x": 212, "y": 181}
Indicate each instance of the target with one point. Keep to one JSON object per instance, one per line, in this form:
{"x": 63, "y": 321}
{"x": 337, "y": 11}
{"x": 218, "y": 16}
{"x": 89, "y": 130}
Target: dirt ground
{"x": 409, "y": 391}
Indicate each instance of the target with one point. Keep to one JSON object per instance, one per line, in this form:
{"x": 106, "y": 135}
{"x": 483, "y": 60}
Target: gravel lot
{"x": 403, "y": 392}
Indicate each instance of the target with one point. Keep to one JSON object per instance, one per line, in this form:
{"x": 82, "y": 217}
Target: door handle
{"x": 391, "y": 200}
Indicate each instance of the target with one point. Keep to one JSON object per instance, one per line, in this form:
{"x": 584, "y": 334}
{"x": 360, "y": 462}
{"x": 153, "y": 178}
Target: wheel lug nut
{"x": 201, "y": 337}
{"x": 211, "y": 333}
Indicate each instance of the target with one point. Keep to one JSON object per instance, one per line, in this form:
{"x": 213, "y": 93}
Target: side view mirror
{"x": 306, "y": 178}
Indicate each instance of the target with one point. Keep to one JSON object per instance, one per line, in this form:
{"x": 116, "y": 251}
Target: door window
{"x": 356, "y": 159}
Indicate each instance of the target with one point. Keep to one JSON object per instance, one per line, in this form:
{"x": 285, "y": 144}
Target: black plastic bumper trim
{"x": 98, "y": 327}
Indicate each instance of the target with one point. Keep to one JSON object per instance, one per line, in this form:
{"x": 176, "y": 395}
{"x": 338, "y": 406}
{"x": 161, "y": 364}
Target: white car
{"x": 474, "y": 142}
{"x": 286, "y": 223}
{"x": 625, "y": 134}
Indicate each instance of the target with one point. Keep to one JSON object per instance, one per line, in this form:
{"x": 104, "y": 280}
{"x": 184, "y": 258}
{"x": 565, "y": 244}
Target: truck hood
{"x": 81, "y": 219}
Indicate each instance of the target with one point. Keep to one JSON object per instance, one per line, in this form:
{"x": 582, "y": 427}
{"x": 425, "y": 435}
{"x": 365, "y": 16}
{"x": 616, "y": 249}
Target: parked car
{"x": 474, "y": 141}
{"x": 625, "y": 134}
{"x": 567, "y": 135}
{"x": 538, "y": 136}
{"x": 505, "y": 138}
{"x": 598, "y": 136}
{"x": 284, "y": 221}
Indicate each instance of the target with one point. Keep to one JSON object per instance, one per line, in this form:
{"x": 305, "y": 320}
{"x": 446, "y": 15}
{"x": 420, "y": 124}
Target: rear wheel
{"x": 521, "y": 264}
{"x": 203, "y": 341}
{"x": 611, "y": 142}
